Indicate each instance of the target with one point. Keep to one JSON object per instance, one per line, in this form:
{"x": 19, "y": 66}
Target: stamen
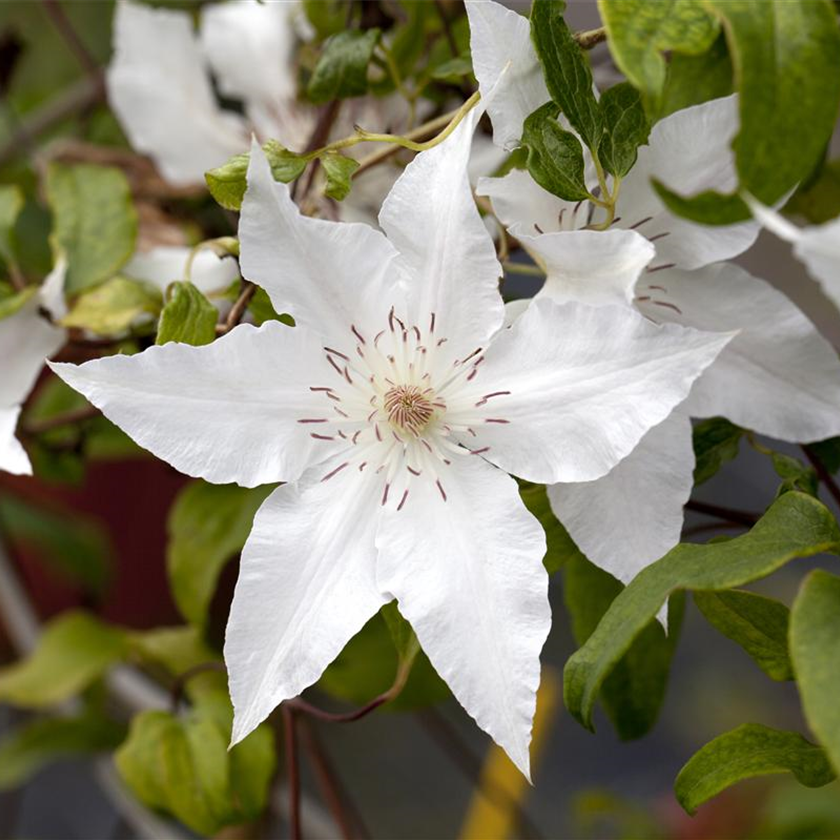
{"x": 495, "y": 420}
{"x": 402, "y": 500}
{"x": 486, "y": 397}
{"x": 337, "y": 353}
{"x": 659, "y": 236}
{"x": 320, "y": 437}
{"x": 357, "y": 333}
{"x": 314, "y": 420}
{"x": 338, "y": 469}
{"x": 640, "y": 222}
{"x": 442, "y": 491}
{"x": 660, "y": 267}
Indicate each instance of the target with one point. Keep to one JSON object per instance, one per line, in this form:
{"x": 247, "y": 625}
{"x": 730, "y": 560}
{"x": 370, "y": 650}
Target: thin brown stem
{"x": 447, "y": 28}
{"x": 300, "y": 705}
{"x": 737, "y": 517}
{"x": 68, "y": 418}
{"x": 320, "y": 135}
{"x": 292, "y": 772}
{"x": 333, "y": 792}
{"x": 823, "y": 474}
{"x": 76, "y": 98}
{"x": 238, "y": 308}
{"x": 591, "y": 37}
{"x": 63, "y": 24}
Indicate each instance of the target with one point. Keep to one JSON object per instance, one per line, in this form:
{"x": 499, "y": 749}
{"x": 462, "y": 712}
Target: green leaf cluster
{"x": 180, "y": 764}
{"x": 612, "y": 128}
{"x": 94, "y": 221}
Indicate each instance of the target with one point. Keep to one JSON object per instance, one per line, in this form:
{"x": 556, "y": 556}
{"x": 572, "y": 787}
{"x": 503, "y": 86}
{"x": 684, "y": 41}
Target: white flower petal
{"x": 225, "y": 412}
{"x": 251, "y": 48}
{"x": 818, "y": 246}
{"x": 590, "y": 266}
{"x": 579, "y": 387}
{"x": 51, "y": 292}
{"x": 500, "y": 42}
{"x": 689, "y": 151}
{"x": 165, "y": 264}
{"x": 327, "y": 275}
{"x": 306, "y": 586}
{"x": 160, "y": 90}
{"x": 13, "y": 457}
{"x": 778, "y": 376}
{"x": 514, "y": 309}
{"x": 469, "y": 578}
{"x": 819, "y": 249}
{"x": 519, "y": 201}
{"x": 445, "y": 249}
{"x": 26, "y": 341}
{"x": 633, "y": 515}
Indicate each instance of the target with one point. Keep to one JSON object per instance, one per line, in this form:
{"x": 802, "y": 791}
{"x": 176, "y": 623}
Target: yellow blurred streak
{"x": 491, "y": 814}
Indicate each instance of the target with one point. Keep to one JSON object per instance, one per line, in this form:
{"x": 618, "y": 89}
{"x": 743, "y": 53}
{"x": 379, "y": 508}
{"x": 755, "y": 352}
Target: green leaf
{"x": 794, "y": 474}
{"x": 41, "y": 742}
{"x": 633, "y": 693}
{"x": 341, "y": 71}
{"x": 716, "y": 441}
{"x": 640, "y": 32}
{"x": 787, "y": 62}
{"x": 555, "y": 156}
{"x": 227, "y": 183}
{"x": 561, "y": 547}
{"x": 827, "y": 452}
{"x": 114, "y": 307}
{"x": 368, "y": 664}
{"x": 626, "y": 127}
{"x": 178, "y": 650}
{"x": 208, "y": 524}
{"x": 795, "y": 525}
{"x": 758, "y": 624}
{"x": 339, "y": 170}
{"x": 401, "y": 633}
{"x": 788, "y": 65}
{"x": 75, "y": 546}
{"x": 814, "y": 642}
{"x": 12, "y": 304}
{"x": 818, "y": 200}
{"x": 95, "y": 223}
{"x": 73, "y": 651}
{"x": 181, "y": 765}
{"x": 566, "y": 70}
{"x": 708, "y": 207}
{"x": 453, "y": 69}
{"x": 11, "y": 203}
{"x": 262, "y": 310}
{"x": 326, "y": 16}
{"x": 693, "y": 79}
{"x": 187, "y": 317}
{"x": 746, "y": 752}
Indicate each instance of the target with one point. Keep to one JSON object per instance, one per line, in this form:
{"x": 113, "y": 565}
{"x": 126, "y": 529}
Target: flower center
{"x": 409, "y": 408}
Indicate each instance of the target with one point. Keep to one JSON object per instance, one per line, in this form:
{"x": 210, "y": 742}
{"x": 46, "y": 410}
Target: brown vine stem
{"x": 68, "y": 418}
{"x": 823, "y": 474}
{"x": 333, "y": 792}
{"x": 737, "y": 517}
{"x": 591, "y": 37}
{"x": 292, "y": 771}
{"x": 238, "y": 308}
{"x": 63, "y": 24}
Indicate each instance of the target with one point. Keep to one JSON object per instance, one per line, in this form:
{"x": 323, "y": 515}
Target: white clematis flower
{"x": 160, "y": 87}
{"x": 778, "y": 376}
{"x": 26, "y": 340}
{"x": 689, "y": 151}
{"x": 818, "y": 246}
{"x": 394, "y": 409}
{"x": 211, "y": 274}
